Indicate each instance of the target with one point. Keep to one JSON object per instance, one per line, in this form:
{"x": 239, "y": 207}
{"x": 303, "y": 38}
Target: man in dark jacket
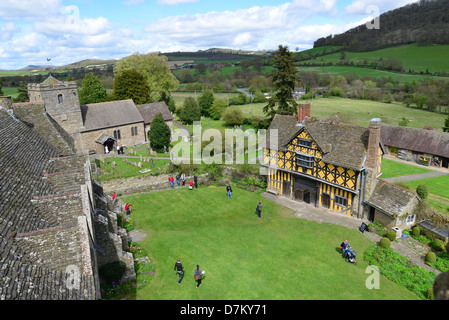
{"x": 229, "y": 190}
{"x": 195, "y": 179}
{"x": 178, "y": 269}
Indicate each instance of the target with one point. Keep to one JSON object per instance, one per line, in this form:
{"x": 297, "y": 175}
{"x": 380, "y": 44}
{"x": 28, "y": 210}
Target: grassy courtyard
{"x": 274, "y": 257}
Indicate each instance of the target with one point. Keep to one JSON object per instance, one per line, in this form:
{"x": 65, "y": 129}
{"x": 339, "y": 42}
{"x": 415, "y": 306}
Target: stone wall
{"x": 126, "y": 138}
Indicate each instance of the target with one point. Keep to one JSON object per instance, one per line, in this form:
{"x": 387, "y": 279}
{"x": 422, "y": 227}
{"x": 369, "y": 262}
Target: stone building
{"x": 57, "y": 228}
{"x": 149, "y": 110}
{"x": 96, "y": 127}
{"x": 109, "y": 124}
{"x": 426, "y": 147}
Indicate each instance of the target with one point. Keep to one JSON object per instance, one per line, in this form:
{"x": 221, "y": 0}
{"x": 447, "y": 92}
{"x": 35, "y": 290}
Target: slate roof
{"x": 109, "y": 114}
{"x": 149, "y": 110}
{"x": 390, "y": 198}
{"x": 418, "y": 140}
{"x": 40, "y": 202}
{"x": 342, "y": 144}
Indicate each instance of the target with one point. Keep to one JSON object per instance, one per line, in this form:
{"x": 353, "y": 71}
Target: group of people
{"x": 198, "y": 274}
{"x": 182, "y": 179}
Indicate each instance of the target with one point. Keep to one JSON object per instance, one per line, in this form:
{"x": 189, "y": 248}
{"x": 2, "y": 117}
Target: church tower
{"x": 62, "y": 104}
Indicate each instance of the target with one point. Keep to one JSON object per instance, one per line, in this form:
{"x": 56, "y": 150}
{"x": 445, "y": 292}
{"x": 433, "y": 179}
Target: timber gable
{"x": 321, "y": 162}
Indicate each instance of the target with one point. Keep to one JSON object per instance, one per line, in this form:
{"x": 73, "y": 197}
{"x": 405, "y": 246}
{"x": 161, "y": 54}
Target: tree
{"x": 205, "y": 102}
{"x": 446, "y": 124}
{"x": 159, "y": 134}
{"x": 217, "y": 109}
{"x": 92, "y": 91}
{"x": 23, "y": 94}
{"x": 284, "y": 79}
{"x": 1, "y": 88}
{"x": 131, "y": 84}
{"x": 190, "y": 111}
{"x": 154, "y": 68}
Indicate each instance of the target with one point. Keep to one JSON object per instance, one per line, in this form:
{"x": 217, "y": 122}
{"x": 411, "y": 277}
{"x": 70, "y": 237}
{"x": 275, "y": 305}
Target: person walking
{"x": 183, "y": 178}
{"x": 198, "y": 275}
{"x": 229, "y": 190}
{"x": 177, "y": 179}
{"x": 170, "y": 179}
{"x": 178, "y": 269}
{"x": 195, "y": 179}
{"x": 259, "y": 209}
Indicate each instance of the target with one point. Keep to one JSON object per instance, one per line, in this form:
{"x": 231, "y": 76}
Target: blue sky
{"x": 66, "y": 31}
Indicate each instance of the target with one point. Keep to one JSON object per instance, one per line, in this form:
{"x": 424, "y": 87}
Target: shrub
{"x": 416, "y": 231}
{"x": 431, "y": 257}
{"x": 422, "y": 190}
{"x": 385, "y": 242}
{"x": 438, "y": 245}
{"x": 113, "y": 271}
{"x": 233, "y": 117}
{"x": 391, "y": 235}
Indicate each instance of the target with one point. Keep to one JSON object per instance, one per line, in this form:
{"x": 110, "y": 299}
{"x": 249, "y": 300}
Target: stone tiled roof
{"x": 34, "y": 115}
{"x": 40, "y": 205}
{"x": 342, "y": 144}
{"x": 418, "y": 140}
{"x": 149, "y": 110}
{"x": 390, "y": 198}
{"x": 109, "y": 114}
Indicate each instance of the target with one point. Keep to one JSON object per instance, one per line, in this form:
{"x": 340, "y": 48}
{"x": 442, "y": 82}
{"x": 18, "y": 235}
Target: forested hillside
{"x": 425, "y": 22}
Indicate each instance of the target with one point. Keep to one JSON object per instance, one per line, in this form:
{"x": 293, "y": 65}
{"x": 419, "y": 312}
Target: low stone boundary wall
{"x": 144, "y": 184}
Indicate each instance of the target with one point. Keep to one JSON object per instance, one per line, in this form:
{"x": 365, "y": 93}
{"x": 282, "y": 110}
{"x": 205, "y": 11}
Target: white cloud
{"x": 7, "y": 31}
{"x": 28, "y": 9}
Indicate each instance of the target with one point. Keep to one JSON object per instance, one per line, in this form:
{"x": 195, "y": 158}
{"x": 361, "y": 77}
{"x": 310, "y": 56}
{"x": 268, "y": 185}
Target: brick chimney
{"x": 373, "y": 144}
{"x": 303, "y": 111}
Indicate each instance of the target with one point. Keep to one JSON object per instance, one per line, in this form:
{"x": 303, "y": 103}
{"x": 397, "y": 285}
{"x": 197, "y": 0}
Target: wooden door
{"x": 326, "y": 201}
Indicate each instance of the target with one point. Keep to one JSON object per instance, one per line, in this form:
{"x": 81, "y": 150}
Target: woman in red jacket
{"x": 127, "y": 210}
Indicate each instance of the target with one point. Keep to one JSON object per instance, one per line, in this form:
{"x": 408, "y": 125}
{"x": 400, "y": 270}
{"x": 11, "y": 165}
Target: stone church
{"x": 97, "y": 127}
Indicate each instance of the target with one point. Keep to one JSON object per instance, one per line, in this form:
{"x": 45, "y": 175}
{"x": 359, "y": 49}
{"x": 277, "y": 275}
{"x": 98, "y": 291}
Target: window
{"x": 304, "y": 161}
{"x": 305, "y": 143}
{"x": 117, "y": 134}
{"x": 60, "y": 99}
{"x": 134, "y": 131}
{"x": 410, "y": 219}
{"x": 341, "y": 201}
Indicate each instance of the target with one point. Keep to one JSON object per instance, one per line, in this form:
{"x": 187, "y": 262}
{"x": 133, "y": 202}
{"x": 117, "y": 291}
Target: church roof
{"x": 149, "y": 110}
{"x": 109, "y": 114}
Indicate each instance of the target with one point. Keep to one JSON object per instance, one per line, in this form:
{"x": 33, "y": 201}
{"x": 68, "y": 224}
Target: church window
{"x": 60, "y": 99}
{"x": 117, "y": 134}
{"x": 134, "y": 131}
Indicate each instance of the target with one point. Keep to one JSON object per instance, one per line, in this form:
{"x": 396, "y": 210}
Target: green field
{"x": 274, "y": 257}
{"x": 414, "y": 57}
{"x": 360, "y": 72}
{"x": 391, "y": 168}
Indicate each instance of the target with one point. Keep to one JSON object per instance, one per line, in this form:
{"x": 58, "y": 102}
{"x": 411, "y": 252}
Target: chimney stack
{"x": 303, "y": 111}
{"x": 373, "y": 144}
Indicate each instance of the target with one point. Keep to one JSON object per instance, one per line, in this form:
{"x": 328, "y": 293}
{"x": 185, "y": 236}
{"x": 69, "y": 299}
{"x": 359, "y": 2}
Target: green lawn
{"x": 437, "y": 186}
{"x": 391, "y": 168}
{"x": 274, "y": 257}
